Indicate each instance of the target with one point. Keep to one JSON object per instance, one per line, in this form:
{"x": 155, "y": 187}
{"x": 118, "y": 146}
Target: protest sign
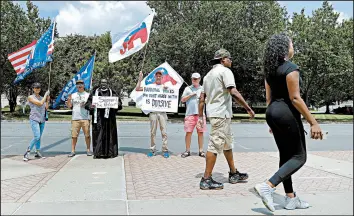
{"x": 105, "y": 102}
{"x": 157, "y": 99}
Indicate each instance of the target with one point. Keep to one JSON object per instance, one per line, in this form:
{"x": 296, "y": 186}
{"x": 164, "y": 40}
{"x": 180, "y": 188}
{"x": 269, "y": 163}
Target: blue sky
{"x": 346, "y": 7}
{"x": 90, "y": 17}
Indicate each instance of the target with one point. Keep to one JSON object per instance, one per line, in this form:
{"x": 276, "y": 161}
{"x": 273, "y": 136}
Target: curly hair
{"x": 277, "y": 48}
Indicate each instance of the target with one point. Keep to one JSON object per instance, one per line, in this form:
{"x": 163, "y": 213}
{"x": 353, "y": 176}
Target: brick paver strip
{"x": 338, "y": 155}
{"x": 176, "y": 177}
{"x": 22, "y": 188}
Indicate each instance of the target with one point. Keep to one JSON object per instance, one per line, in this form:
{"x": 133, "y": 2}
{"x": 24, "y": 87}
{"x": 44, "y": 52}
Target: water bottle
{"x": 46, "y": 115}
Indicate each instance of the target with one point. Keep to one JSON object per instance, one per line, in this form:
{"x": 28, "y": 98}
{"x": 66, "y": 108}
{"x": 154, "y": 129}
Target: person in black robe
{"x": 104, "y": 126}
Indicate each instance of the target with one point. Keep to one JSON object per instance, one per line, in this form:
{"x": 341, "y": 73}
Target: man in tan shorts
{"x": 219, "y": 89}
{"x": 80, "y": 117}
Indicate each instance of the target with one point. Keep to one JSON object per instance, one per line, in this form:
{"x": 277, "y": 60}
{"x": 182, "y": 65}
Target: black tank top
{"x": 277, "y": 81}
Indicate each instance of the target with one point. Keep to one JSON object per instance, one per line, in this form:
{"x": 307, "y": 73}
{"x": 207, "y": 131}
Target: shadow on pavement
{"x": 124, "y": 150}
{"x": 277, "y": 198}
{"x": 264, "y": 211}
{"x": 133, "y": 150}
{"x": 55, "y": 153}
{"x": 44, "y": 149}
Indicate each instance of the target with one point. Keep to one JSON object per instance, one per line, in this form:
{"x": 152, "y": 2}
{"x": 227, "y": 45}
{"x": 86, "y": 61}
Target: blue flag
{"x": 41, "y": 53}
{"x": 84, "y": 74}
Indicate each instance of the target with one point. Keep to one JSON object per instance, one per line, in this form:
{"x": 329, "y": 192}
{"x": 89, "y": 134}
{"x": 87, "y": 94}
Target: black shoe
{"x": 39, "y": 155}
{"x": 210, "y": 184}
{"x": 237, "y": 177}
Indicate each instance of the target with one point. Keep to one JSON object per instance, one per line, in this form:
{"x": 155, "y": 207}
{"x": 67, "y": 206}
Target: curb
{"x": 234, "y": 121}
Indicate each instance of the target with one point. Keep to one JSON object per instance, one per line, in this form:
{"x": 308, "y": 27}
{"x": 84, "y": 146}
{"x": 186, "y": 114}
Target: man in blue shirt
{"x": 191, "y": 97}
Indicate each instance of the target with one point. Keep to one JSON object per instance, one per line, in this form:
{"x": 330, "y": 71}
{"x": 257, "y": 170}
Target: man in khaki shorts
{"x": 219, "y": 89}
{"x": 80, "y": 117}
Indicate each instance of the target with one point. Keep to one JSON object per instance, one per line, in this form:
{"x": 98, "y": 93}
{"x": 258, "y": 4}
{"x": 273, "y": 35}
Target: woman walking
{"x": 38, "y": 106}
{"x": 283, "y": 115}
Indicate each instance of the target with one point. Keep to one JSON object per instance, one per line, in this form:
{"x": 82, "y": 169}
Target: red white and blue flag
{"x": 34, "y": 55}
{"x": 170, "y": 78}
{"x": 132, "y": 41}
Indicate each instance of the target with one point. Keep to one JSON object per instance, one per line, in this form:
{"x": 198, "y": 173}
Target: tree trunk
{"x": 327, "y": 107}
{"x": 12, "y": 97}
{"x": 306, "y": 99}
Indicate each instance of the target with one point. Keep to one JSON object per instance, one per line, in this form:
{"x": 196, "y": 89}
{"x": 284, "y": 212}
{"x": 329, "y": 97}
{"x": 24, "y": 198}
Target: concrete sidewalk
{"x": 135, "y": 184}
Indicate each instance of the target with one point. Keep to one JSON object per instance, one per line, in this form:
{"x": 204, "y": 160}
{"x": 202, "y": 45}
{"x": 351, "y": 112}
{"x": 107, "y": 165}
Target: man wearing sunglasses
{"x": 80, "y": 116}
{"x": 191, "y": 96}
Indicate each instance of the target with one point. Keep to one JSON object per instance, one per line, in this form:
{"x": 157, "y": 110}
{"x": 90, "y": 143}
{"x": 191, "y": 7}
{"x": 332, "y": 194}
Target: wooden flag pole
{"x": 142, "y": 67}
{"x": 50, "y": 70}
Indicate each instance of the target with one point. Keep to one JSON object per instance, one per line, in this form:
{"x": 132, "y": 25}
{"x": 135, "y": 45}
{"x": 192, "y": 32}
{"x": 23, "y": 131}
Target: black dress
{"x": 104, "y": 132}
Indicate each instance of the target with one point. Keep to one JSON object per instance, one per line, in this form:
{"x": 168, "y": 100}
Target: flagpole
{"x": 50, "y": 70}
{"x": 50, "y": 63}
{"x": 142, "y": 67}
{"x": 94, "y": 59}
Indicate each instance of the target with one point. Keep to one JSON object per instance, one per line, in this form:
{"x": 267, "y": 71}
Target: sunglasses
{"x": 195, "y": 78}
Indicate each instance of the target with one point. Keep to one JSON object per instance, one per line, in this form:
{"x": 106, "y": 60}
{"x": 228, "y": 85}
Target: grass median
{"x": 135, "y": 114}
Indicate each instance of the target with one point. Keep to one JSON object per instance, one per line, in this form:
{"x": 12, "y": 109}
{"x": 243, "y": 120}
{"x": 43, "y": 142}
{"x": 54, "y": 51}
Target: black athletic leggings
{"x": 288, "y": 130}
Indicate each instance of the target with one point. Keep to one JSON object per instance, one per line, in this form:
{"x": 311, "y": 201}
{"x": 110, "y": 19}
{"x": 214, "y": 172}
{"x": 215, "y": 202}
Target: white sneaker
{"x": 295, "y": 203}
{"x": 266, "y": 193}
{"x": 26, "y": 156}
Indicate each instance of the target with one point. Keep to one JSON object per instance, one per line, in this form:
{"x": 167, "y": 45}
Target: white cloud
{"x": 97, "y": 17}
{"x": 342, "y": 16}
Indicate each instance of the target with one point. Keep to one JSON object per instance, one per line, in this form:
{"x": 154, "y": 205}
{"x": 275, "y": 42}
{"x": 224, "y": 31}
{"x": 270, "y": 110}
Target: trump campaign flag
{"x": 84, "y": 74}
{"x": 170, "y": 78}
{"x": 132, "y": 41}
{"x": 34, "y": 55}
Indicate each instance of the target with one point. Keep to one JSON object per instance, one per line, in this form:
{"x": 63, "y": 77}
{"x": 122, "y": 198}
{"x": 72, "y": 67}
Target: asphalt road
{"x": 134, "y": 137}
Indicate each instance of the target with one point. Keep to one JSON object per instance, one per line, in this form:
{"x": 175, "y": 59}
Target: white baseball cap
{"x": 196, "y": 75}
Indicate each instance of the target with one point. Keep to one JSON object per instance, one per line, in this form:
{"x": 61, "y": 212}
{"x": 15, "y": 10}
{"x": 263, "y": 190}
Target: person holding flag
{"x": 80, "y": 117}
{"x": 38, "y": 106}
{"x": 74, "y": 95}
{"x": 165, "y": 80}
{"x": 156, "y": 118}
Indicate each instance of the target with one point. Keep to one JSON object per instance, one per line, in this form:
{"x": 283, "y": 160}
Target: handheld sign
{"x": 156, "y": 98}
{"x": 105, "y": 102}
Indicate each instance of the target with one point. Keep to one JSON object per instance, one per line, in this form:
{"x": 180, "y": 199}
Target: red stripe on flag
{"x": 19, "y": 63}
{"x": 20, "y": 56}
{"x": 20, "y": 71}
{"x": 25, "y": 47}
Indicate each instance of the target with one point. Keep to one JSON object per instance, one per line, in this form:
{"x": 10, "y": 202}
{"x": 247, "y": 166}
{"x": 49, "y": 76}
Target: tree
{"x": 14, "y": 18}
{"x": 187, "y": 33}
{"x": 324, "y": 57}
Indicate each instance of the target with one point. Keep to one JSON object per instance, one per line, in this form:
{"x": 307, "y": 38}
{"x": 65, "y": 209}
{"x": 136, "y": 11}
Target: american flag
{"x": 48, "y": 39}
{"x": 20, "y": 58}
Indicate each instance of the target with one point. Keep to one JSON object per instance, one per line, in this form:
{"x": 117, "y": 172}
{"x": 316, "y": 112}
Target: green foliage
{"x": 186, "y": 34}
{"x": 324, "y": 51}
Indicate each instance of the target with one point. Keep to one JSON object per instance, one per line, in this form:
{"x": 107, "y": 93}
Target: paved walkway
{"x": 135, "y": 184}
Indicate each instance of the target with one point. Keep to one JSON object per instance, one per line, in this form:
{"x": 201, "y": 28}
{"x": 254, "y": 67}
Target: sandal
{"x": 186, "y": 154}
{"x": 202, "y": 154}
